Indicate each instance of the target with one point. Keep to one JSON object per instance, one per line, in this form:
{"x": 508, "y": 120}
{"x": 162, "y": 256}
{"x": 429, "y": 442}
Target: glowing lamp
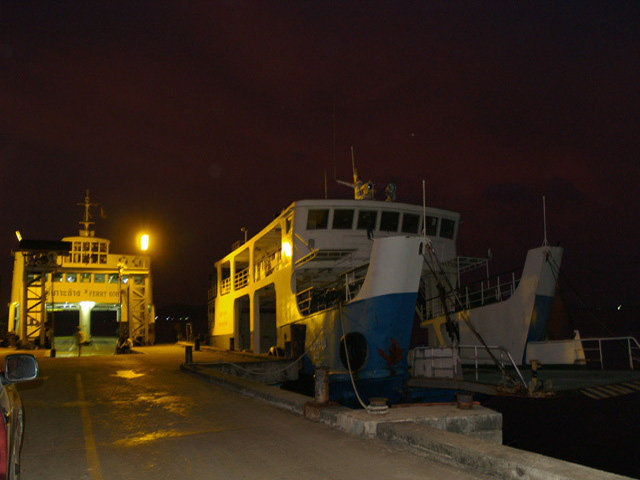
{"x": 85, "y": 305}
{"x": 286, "y": 249}
{"x": 144, "y": 242}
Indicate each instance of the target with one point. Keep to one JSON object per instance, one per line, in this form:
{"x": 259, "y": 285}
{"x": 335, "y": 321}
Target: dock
{"x": 470, "y": 438}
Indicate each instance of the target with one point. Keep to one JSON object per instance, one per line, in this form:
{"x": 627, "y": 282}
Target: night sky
{"x": 194, "y": 119}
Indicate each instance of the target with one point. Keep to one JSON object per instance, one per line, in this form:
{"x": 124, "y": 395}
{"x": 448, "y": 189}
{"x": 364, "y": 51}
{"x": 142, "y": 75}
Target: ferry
{"x": 335, "y": 284}
{"x": 492, "y": 337}
{"x": 374, "y": 292}
{"x": 77, "y": 297}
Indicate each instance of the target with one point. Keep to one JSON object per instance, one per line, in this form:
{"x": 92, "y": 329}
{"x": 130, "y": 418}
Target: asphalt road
{"x": 139, "y": 417}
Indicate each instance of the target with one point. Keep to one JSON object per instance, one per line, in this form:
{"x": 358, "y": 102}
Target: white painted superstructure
{"x": 267, "y": 284}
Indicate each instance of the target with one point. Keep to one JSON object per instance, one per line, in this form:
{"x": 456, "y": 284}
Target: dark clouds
{"x": 198, "y": 119}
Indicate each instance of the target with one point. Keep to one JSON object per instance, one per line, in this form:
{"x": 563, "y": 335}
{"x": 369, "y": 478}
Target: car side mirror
{"x": 20, "y": 367}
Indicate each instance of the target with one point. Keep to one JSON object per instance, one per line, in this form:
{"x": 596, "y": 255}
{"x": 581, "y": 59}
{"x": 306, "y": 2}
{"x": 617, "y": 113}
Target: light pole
{"x": 144, "y": 246}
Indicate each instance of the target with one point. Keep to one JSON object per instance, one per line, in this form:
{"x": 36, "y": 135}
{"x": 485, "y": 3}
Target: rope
{"x": 346, "y": 354}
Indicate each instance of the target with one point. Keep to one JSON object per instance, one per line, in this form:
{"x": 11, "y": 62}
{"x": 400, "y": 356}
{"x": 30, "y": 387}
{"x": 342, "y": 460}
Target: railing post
{"x": 600, "y": 350}
{"x": 630, "y": 355}
{"x": 475, "y": 354}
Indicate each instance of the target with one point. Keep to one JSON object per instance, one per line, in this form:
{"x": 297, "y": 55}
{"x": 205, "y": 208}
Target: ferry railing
{"x": 241, "y": 279}
{"x": 316, "y": 298}
{"x": 267, "y": 265}
{"x": 479, "y": 353}
{"x": 632, "y": 346}
{"x": 304, "y": 298}
{"x": 484, "y": 292}
{"x": 225, "y": 286}
{"x": 443, "y": 359}
{"x": 352, "y": 281}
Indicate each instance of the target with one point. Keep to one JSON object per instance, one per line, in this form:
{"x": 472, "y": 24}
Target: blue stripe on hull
{"x": 539, "y": 321}
{"x": 381, "y": 320}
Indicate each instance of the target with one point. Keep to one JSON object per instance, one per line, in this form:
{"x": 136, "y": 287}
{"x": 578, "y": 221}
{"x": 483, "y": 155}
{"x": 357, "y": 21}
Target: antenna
{"x": 334, "y": 139}
{"x": 86, "y": 223}
{"x": 325, "y": 185}
{"x": 353, "y": 167}
{"x": 424, "y": 210}
{"x": 545, "y": 243}
{"x": 361, "y": 190}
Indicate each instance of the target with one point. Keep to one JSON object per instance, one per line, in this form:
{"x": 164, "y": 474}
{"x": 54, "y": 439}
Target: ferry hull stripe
{"x": 384, "y": 321}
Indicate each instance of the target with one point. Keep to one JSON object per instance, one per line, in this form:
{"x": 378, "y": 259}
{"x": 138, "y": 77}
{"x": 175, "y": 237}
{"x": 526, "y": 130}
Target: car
{"x": 18, "y": 367}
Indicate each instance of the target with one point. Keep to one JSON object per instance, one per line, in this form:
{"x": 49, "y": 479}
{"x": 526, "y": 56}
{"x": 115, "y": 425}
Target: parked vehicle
{"x": 17, "y": 368}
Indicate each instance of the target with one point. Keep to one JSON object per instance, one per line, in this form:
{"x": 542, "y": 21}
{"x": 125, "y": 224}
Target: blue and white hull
{"x": 376, "y": 326}
{"x": 327, "y": 269}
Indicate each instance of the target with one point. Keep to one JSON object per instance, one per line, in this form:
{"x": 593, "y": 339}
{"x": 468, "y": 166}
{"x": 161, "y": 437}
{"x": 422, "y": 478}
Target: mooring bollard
{"x": 464, "y": 400}
{"x": 188, "y": 355}
{"x": 321, "y": 378}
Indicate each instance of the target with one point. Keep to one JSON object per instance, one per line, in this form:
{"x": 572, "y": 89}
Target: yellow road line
{"x": 90, "y": 446}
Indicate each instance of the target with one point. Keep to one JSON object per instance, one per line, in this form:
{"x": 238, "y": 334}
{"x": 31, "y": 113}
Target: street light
{"x": 144, "y": 242}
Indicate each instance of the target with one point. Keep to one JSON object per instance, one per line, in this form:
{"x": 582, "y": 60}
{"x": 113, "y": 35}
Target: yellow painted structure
{"x": 78, "y": 285}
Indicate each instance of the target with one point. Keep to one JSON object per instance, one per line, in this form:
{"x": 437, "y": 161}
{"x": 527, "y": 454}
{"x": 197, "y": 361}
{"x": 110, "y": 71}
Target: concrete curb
{"x": 286, "y": 400}
{"x": 485, "y": 457}
{"x": 423, "y": 435}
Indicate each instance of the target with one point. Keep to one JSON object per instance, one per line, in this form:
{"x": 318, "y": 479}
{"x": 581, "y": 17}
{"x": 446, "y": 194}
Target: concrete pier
{"x": 469, "y": 438}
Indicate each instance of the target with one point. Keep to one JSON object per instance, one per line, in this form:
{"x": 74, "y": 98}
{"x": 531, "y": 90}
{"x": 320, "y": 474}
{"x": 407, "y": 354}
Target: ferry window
{"x": 432, "y": 225}
{"x": 86, "y": 257}
{"x": 103, "y": 247}
{"x": 342, "y": 219}
{"x": 389, "y": 221}
{"x": 367, "y": 219}
{"x": 113, "y": 278}
{"x": 76, "y": 257}
{"x": 103, "y": 258}
{"x": 410, "y": 223}
{"x": 317, "y": 219}
{"x": 94, "y": 246}
{"x": 76, "y": 246}
{"x": 85, "y": 277}
{"x": 94, "y": 258}
{"x": 72, "y": 277}
{"x": 85, "y": 246}
{"x": 447, "y": 228}
{"x": 138, "y": 280}
{"x": 98, "y": 278}
{"x": 58, "y": 277}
